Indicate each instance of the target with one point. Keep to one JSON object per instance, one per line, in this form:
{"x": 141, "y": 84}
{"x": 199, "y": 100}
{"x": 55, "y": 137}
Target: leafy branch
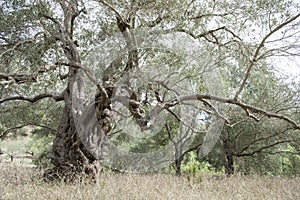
{"x": 256, "y": 56}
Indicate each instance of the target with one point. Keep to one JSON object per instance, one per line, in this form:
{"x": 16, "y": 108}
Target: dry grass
{"x": 23, "y": 183}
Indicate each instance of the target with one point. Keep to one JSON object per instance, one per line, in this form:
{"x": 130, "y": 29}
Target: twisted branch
{"x": 33, "y": 99}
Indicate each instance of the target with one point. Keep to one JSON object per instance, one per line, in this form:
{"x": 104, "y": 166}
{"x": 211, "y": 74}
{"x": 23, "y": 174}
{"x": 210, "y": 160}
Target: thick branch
{"x": 33, "y": 99}
{"x": 265, "y": 147}
{"x": 211, "y": 15}
{"x": 55, "y": 21}
{"x": 194, "y": 148}
{"x": 114, "y": 10}
{"x": 138, "y": 112}
{"x": 261, "y": 139}
{"x": 4, "y": 134}
{"x": 245, "y": 107}
{"x": 6, "y": 79}
{"x": 29, "y": 41}
{"x": 16, "y": 78}
{"x": 155, "y": 22}
{"x": 281, "y": 152}
{"x": 200, "y": 35}
{"x": 210, "y": 32}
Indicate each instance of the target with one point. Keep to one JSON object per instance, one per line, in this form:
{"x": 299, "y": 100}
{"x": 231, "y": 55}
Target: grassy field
{"x": 20, "y": 181}
{"x": 17, "y": 182}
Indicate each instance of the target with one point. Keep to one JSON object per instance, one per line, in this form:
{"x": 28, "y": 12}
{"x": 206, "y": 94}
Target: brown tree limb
{"x": 265, "y": 147}
{"x": 6, "y": 132}
{"x": 196, "y": 36}
{"x": 211, "y": 15}
{"x": 155, "y": 22}
{"x": 28, "y": 41}
{"x": 204, "y": 34}
{"x": 199, "y": 97}
{"x": 244, "y": 106}
{"x": 257, "y": 51}
{"x": 33, "y": 99}
{"x": 74, "y": 16}
{"x": 193, "y": 148}
{"x": 6, "y": 79}
{"x": 55, "y": 21}
{"x": 262, "y": 139}
{"x": 114, "y": 10}
{"x": 206, "y": 103}
{"x": 281, "y": 152}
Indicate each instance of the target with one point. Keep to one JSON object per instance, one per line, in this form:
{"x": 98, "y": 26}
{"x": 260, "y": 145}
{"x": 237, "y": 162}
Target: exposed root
{"x": 72, "y": 173}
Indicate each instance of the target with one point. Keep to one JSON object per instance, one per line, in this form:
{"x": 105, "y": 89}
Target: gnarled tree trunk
{"x": 72, "y": 154}
{"x": 79, "y": 143}
{"x": 81, "y": 137}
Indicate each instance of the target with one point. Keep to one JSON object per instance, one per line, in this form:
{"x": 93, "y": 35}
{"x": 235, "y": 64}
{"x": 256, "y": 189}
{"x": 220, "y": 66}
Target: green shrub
{"x": 40, "y": 146}
{"x": 192, "y": 165}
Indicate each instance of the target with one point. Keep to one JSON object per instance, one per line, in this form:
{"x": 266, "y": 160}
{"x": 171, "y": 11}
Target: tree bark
{"x": 79, "y": 144}
{"x": 178, "y": 166}
{"x": 229, "y": 163}
{"x": 178, "y": 159}
{"x": 228, "y": 153}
